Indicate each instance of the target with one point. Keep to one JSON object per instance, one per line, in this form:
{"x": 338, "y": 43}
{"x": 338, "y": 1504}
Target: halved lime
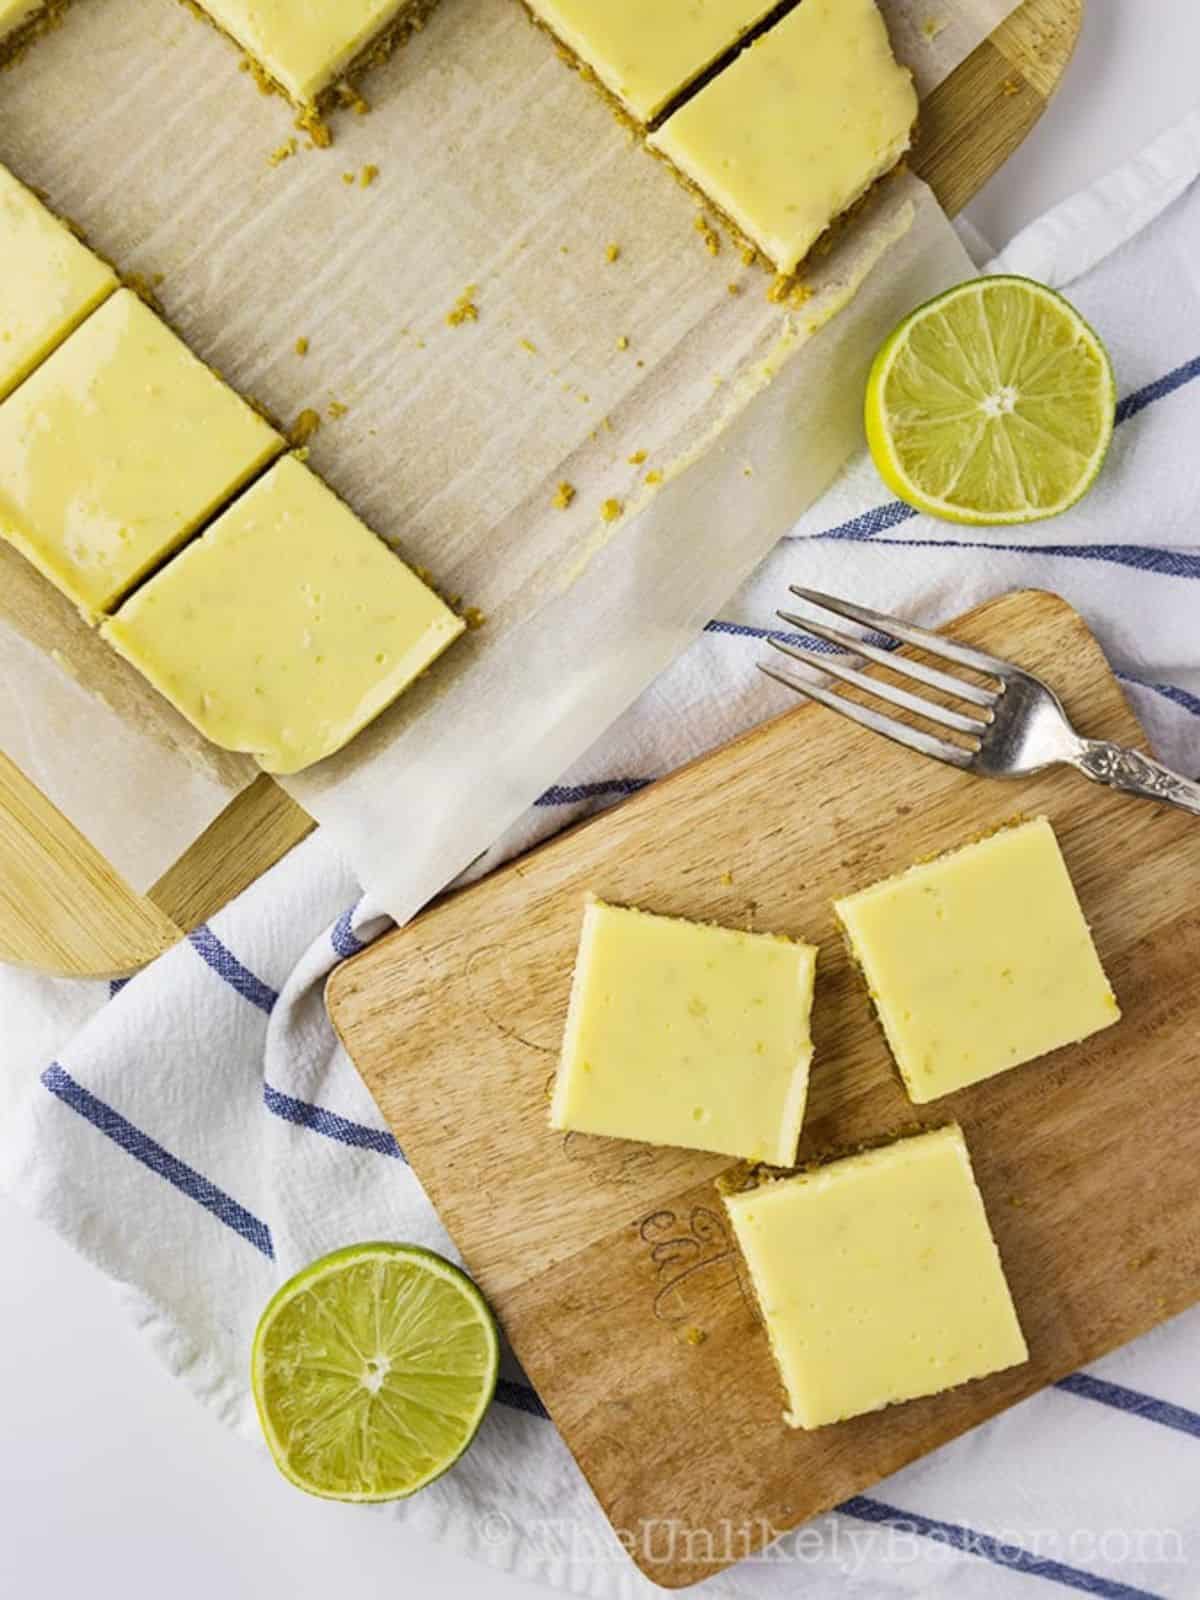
{"x": 372, "y": 1370}
{"x": 992, "y": 404}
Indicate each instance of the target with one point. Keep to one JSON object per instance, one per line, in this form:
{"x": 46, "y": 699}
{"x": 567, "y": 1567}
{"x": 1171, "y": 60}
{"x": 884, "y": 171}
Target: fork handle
{"x": 1134, "y": 773}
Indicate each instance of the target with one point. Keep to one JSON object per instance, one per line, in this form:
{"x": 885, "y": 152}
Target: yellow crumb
{"x": 613, "y": 253}
{"x": 735, "y": 288}
{"x": 336, "y": 409}
{"x": 349, "y": 97}
{"x": 473, "y": 617}
{"x": 612, "y": 510}
{"x": 305, "y": 425}
{"x": 319, "y": 132}
{"x": 282, "y": 152}
{"x": 368, "y": 175}
{"x": 727, "y": 878}
{"x": 787, "y": 292}
{"x": 347, "y": 178}
{"x": 623, "y": 342}
{"x": 932, "y": 26}
{"x": 563, "y": 496}
{"x": 712, "y": 239}
{"x": 695, "y": 1336}
{"x": 301, "y": 346}
{"x": 637, "y": 458}
{"x": 464, "y": 308}
{"x": 1010, "y": 86}
{"x": 749, "y": 255}
{"x": 528, "y": 344}
{"x": 654, "y": 477}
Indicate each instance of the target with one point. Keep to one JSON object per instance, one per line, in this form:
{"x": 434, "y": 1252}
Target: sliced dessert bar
{"x": 797, "y": 128}
{"x": 286, "y": 627}
{"x": 49, "y": 282}
{"x": 306, "y": 48}
{"x": 979, "y": 960}
{"x": 681, "y": 1033}
{"x": 646, "y": 54}
{"x": 878, "y": 1278}
{"x": 116, "y": 449}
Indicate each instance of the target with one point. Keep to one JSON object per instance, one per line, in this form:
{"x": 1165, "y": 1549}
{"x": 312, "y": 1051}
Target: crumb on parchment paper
{"x": 637, "y": 458}
{"x": 612, "y": 253}
{"x": 305, "y": 426}
{"x": 712, "y": 239}
{"x": 335, "y": 410}
{"x": 301, "y": 346}
{"x": 612, "y": 511}
{"x": 563, "y": 496}
{"x": 464, "y": 308}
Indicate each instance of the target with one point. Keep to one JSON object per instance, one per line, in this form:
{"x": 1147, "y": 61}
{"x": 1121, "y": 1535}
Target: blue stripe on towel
{"x": 1133, "y": 1402}
{"x": 520, "y": 1398}
{"x": 804, "y": 641}
{"x": 1169, "y": 691}
{"x": 227, "y": 966}
{"x": 151, "y": 1154}
{"x": 984, "y": 1545}
{"x": 574, "y": 794}
{"x": 1178, "y": 378}
{"x": 329, "y": 1123}
{"x": 1163, "y": 563}
{"x": 342, "y": 936}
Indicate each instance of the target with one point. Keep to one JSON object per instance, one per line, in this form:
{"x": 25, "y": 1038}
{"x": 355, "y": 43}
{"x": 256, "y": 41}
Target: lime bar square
{"x": 307, "y": 45}
{"x": 286, "y": 627}
{"x": 877, "y": 1278}
{"x": 116, "y": 450}
{"x": 979, "y": 961}
{"x": 49, "y": 281}
{"x": 798, "y": 127}
{"x": 681, "y": 1033}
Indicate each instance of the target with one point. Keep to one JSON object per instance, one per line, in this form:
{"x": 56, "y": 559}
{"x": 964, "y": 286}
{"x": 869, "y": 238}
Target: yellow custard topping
{"x": 681, "y": 1033}
{"x": 116, "y": 449}
{"x": 979, "y": 961}
{"x": 286, "y": 627}
{"x": 798, "y": 127}
{"x": 305, "y": 45}
{"x": 49, "y": 282}
{"x": 878, "y": 1278}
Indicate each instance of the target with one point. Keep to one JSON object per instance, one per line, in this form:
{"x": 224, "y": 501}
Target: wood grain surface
{"x": 969, "y": 127}
{"x": 600, "y": 1256}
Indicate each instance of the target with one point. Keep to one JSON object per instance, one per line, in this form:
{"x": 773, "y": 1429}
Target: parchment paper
{"x": 502, "y": 181}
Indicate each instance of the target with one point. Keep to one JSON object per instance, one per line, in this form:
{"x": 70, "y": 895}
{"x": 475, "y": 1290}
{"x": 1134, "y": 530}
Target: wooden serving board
{"x": 600, "y": 1255}
{"x": 64, "y": 909}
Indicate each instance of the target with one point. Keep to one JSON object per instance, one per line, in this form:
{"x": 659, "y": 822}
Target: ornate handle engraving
{"x": 1135, "y": 773}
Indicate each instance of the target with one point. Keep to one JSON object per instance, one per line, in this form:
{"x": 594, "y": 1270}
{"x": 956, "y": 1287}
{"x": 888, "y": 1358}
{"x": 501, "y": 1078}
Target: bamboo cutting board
{"x": 64, "y": 908}
{"x": 601, "y": 1256}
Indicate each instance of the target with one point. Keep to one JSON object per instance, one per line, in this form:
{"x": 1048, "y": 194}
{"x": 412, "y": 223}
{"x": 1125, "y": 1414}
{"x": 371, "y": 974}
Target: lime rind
{"x": 996, "y": 391}
{"x": 372, "y": 1370}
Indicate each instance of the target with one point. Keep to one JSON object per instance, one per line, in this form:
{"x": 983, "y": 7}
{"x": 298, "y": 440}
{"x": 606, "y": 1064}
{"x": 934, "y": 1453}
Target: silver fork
{"x": 1014, "y": 729}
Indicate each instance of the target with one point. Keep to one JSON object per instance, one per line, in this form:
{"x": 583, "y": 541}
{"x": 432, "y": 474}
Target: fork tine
{"x": 890, "y": 692}
{"x": 892, "y": 660}
{"x": 908, "y": 632}
{"x": 954, "y": 755}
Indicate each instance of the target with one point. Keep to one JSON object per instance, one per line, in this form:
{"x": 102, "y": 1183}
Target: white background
{"x": 112, "y": 1480}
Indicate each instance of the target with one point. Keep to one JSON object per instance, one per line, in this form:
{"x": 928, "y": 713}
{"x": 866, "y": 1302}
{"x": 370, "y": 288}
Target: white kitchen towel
{"x": 203, "y": 1135}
